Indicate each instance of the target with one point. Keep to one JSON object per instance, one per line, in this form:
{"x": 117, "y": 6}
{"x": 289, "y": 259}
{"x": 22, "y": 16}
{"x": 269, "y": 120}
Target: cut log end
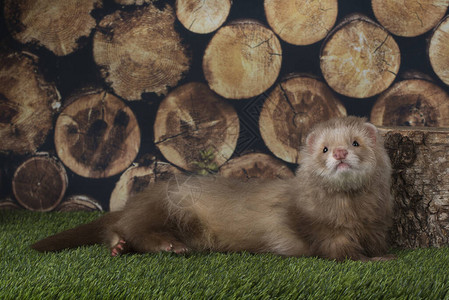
{"x": 242, "y": 60}
{"x": 291, "y": 109}
{"x": 256, "y": 165}
{"x": 97, "y": 135}
{"x": 140, "y": 51}
{"x": 438, "y": 50}
{"x": 202, "y": 16}
{"x": 79, "y": 203}
{"x": 137, "y": 178}
{"x": 409, "y": 18}
{"x": 26, "y": 104}
{"x": 195, "y": 129}
{"x": 40, "y": 183}
{"x": 49, "y": 24}
{"x": 359, "y": 59}
{"x": 413, "y": 102}
{"x": 301, "y": 22}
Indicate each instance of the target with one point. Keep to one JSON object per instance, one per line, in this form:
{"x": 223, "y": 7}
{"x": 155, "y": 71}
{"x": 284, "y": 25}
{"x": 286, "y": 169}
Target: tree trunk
{"x": 39, "y": 183}
{"x": 140, "y": 51}
{"x": 359, "y": 58}
{"x": 242, "y": 60}
{"x": 195, "y": 129}
{"x": 420, "y": 159}
{"x": 438, "y": 50}
{"x": 56, "y": 25}
{"x": 136, "y": 179}
{"x": 97, "y": 135}
{"x": 412, "y": 102}
{"x": 409, "y": 18}
{"x": 301, "y": 22}
{"x": 202, "y": 16}
{"x": 27, "y": 104}
{"x": 291, "y": 109}
{"x": 79, "y": 203}
{"x": 255, "y": 165}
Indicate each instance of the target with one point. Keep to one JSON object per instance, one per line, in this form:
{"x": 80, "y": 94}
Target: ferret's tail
{"x": 83, "y": 235}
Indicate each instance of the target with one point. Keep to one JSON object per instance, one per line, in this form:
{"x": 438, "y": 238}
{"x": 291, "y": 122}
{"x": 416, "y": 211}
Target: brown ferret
{"x": 338, "y": 206}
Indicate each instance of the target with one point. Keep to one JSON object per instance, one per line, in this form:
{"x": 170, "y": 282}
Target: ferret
{"x": 337, "y": 207}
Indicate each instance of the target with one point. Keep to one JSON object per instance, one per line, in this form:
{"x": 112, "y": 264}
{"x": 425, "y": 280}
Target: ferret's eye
{"x": 325, "y": 149}
{"x": 355, "y": 143}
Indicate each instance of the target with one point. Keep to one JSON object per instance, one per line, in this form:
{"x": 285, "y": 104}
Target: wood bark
{"x": 420, "y": 159}
{"x": 140, "y": 51}
{"x": 27, "y": 104}
{"x": 136, "y": 178}
{"x": 301, "y": 22}
{"x": 291, "y": 109}
{"x": 412, "y": 102}
{"x": 359, "y": 58}
{"x": 195, "y": 129}
{"x": 409, "y": 18}
{"x": 256, "y": 165}
{"x": 56, "y": 25}
{"x": 96, "y": 135}
{"x": 40, "y": 183}
{"x": 202, "y": 16}
{"x": 242, "y": 60}
{"x": 79, "y": 203}
{"x": 438, "y": 50}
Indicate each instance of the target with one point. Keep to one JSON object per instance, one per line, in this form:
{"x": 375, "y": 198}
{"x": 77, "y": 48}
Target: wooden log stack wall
{"x": 100, "y": 98}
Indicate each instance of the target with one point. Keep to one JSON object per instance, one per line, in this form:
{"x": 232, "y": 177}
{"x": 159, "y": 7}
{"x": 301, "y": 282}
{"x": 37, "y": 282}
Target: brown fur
{"x": 324, "y": 212}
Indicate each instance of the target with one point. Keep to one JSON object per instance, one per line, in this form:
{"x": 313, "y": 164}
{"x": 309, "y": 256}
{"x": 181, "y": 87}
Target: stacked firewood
{"x": 159, "y": 104}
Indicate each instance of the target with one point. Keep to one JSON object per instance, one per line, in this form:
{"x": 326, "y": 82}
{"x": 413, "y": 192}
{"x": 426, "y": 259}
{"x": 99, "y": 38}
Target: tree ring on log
{"x": 438, "y": 50}
{"x": 409, "y": 18}
{"x": 97, "y": 135}
{"x": 40, "y": 183}
{"x": 27, "y": 104}
{"x": 56, "y": 25}
{"x": 79, "y": 203}
{"x": 140, "y": 51}
{"x": 413, "y": 102}
{"x": 301, "y": 22}
{"x": 202, "y": 16}
{"x": 359, "y": 58}
{"x": 137, "y": 178}
{"x": 291, "y": 109}
{"x": 256, "y": 165}
{"x": 195, "y": 129}
{"x": 242, "y": 60}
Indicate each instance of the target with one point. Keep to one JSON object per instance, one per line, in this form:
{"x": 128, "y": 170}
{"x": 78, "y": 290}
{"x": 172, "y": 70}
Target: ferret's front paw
{"x": 119, "y": 248}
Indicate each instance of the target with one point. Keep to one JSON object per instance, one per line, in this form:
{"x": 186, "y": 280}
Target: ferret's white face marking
{"x": 343, "y": 157}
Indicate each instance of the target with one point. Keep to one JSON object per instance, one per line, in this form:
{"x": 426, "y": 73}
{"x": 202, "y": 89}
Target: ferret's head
{"x": 341, "y": 153}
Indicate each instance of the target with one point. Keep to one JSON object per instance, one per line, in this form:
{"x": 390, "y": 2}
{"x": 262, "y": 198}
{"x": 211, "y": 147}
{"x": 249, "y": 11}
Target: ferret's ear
{"x": 310, "y": 141}
{"x": 372, "y": 131}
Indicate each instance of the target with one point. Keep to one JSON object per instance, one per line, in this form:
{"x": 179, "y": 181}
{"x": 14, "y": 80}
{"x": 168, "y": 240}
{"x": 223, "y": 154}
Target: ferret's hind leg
{"x": 156, "y": 242}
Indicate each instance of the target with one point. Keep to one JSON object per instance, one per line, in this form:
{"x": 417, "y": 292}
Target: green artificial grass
{"x": 91, "y": 273}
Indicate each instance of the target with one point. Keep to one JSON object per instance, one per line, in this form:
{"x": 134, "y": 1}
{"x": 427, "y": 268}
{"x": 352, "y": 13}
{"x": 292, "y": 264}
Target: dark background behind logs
{"x": 78, "y": 70}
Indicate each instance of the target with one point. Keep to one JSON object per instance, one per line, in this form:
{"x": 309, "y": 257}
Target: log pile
{"x": 126, "y": 92}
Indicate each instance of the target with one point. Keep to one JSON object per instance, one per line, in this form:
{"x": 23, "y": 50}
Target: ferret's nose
{"x": 340, "y": 153}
